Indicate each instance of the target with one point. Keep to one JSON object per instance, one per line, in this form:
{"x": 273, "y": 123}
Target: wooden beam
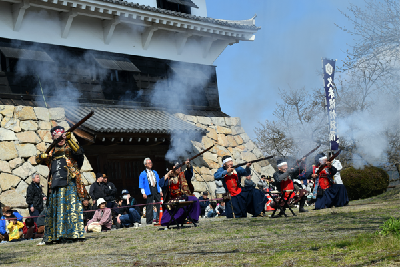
{"x": 18, "y": 11}
{"x": 66, "y": 22}
{"x": 147, "y": 35}
{"x": 181, "y": 40}
{"x": 109, "y": 27}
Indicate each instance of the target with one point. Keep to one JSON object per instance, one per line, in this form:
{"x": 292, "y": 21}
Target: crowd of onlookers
{"x": 106, "y": 209}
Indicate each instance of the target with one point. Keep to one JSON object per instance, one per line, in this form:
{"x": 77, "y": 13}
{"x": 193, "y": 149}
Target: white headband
{"x": 321, "y": 159}
{"x": 281, "y": 164}
{"x": 226, "y": 160}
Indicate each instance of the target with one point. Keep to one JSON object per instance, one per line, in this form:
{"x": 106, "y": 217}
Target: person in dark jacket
{"x": 126, "y": 216}
{"x": 40, "y": 223}
{"x": 204, "y": 204}
{"x": 97, "y": 189}
{"x": 110, "y": 191}
{"x": 88, "y": 211}
{"x": 249, "y": 182}
{"x": 34, "y": 197}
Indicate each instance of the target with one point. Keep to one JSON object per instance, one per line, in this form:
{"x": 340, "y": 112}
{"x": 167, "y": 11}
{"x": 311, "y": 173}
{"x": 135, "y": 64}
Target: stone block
{"x": 45, "y": 136}
{"x": 245, "y": 137}
{"x": 208, "y": 156}
{"x": 250, "y": 146}
{"x": 42, "y": 170}
{"x": 205, "y": 171}
{"x": 235, "y": 153}
{"x": 231, "y": 140}
{"x": 207, "y": 142}
{"x": 248, "y": 156}
{"x": 44, "y": 125}
{"x": 7, "y": 110}
{"x": 11, "y": 124}
{"x": 222, "y": 151}
{"x": 222, "y": 140}
{"x": 258, "y": 153}
{"x": 42, "y": 114}
{"x": 43, "y": 184}
{"x": 232, "y": 121}
{"x": 86, "y": 167}
{"x": 212, "y": 164}
{"x": 199, "y": 146}
{"x": 5, "y": 166}
{"x": 64, "y": 124}
{"x": 7, "y": 135}
{"x": 32, "y": 160}
{"x": 28, "y": 125}
{"x": 15, "y": 163}
{"x": 208, "y": 177}
{"x": 223, "y": 130}
{"x": 28, "y": 137}
{"x": 24, "y": 113}
{"x": 237, "y": 130}
{"x": 212, "y": 134}
{"x": 268, "y": 170}
{"x": 199, "y": 186}
{"x": 21, "y": 188}
{"x": 41, "y": 147}
{"x": 201, "y": 126}
{"x": 24, "y": 171}
{"x": 256, "y": 167}
{"x": 241, "y": 147}
{"x": 26, "y": 150}
{"x": 204, "y": 120}
{"x": 238, "y": 139}
{"x": 84, "y": 181}
{"x": 23, "y": 212}
{"x": 8, "y": 181}
{"x": 13, "y": 199}
{"x": 57, "y": 114}
{"x": 218, "y": 121}
{"x": 8, "y": 151}
{"x": 90, "y": 177}
{"x": 190, "y": 118}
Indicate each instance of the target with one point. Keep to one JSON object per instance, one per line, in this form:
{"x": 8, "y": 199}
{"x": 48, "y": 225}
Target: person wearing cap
{"x": 284, "y": 181}
{"x": 102, "y": 220}
{"x": 4, "y": 221}
{"x": 97, "y": 189}
{"x": 204, "y": 203}
{"x": 242, "y": 200}
{"x": 34, "y": 197}
{"x": 64, "y": 220}
{"x": 150, "y": 188}
{"x": 125, "y": 215}
{"x": 326, "y": 192}
{"x": 110, "y": 192}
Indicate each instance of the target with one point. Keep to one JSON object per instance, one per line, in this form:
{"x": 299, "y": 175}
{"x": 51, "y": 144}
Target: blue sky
{"x": 287, "y": 51}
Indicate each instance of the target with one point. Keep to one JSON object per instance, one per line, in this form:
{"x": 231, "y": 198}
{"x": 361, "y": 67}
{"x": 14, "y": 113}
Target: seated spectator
{"x": 102, "y": 220}
{"x": 204, "y": 204}
{"x": 221, "y": 209}
{"x": 7, "y": 212}
{"x": 134, "y": 203}
{"x": 87, "y": 211}
{"x": 126, "y": 216}
{"x": 30, "y": 229}
{"x": 13, "y": 227}
{"x": 219, "y": 189}
{"x": 211, "y": 210}
{"x": 249, "y": 182}
{"x": 40, "y": 224}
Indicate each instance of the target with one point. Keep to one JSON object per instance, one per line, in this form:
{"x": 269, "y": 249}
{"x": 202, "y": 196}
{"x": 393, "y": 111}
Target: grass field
{"x": 332, "y": 237}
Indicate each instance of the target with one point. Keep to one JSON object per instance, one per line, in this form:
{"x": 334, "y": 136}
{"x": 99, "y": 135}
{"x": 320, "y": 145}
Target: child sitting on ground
{"x": 30, "y": 228}
{"x": 14, "y": 227}
{"x": 211, "y": 210}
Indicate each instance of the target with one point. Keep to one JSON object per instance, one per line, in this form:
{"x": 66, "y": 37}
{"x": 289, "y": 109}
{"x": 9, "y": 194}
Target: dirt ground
{"x": 333, "y": 237}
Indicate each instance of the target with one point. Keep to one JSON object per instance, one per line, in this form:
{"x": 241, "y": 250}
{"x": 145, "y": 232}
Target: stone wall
{"x": 229, "y": 139}
{"x": 25, "y": 132}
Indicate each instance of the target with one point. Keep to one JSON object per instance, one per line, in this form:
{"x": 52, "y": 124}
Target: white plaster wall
{"x": 202, "y": 10}
{"x": 43, "y": 26}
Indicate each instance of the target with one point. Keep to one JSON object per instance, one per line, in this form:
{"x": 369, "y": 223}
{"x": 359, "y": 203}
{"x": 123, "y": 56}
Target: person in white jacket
{"x": 336, "y": 163}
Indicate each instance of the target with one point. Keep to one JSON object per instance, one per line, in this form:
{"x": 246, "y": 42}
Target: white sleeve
{"x": 142, "y": 190}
